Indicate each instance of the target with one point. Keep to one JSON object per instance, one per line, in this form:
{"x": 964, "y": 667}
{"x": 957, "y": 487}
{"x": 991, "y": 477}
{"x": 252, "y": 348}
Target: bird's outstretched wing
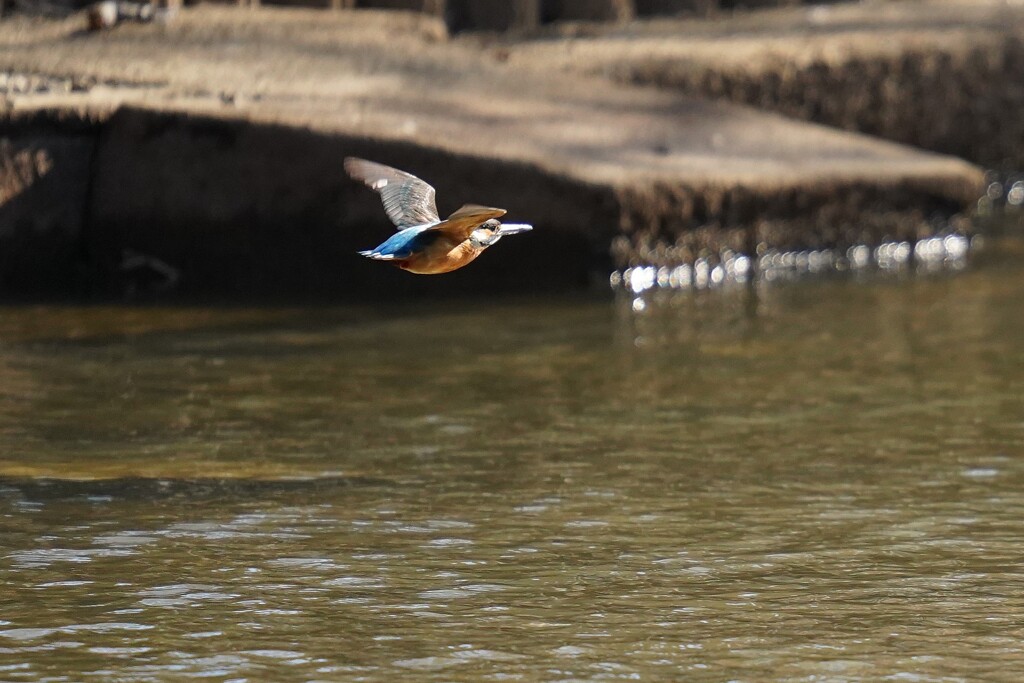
{"x": 408, "y": 200}
{"x": 460, "y": 224}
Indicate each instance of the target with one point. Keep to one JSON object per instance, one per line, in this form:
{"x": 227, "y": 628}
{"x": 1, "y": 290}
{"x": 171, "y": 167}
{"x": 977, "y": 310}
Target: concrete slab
{"x": 234, "y": 120}
{"x": 944, "y": 75}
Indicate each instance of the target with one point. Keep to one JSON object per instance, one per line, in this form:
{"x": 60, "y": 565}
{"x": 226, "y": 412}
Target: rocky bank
{"x": 212, "y": 146}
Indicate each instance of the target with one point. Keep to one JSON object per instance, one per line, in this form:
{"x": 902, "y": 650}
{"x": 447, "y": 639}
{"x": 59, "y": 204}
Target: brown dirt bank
{"x": 218, "y": 141}
{"x": 944, "y": 75}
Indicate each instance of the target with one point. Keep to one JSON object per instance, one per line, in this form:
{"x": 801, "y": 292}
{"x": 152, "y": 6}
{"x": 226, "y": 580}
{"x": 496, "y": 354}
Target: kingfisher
{"x": 424, "y": 244}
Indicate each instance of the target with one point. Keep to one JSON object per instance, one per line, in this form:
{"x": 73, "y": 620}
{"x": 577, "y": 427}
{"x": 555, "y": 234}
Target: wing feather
{"x": 460, "y": 224}
{"x": 408, "y": 200}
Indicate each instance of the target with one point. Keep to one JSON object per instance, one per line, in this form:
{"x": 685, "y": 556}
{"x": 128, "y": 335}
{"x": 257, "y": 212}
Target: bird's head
{"x": 491, "y": 231}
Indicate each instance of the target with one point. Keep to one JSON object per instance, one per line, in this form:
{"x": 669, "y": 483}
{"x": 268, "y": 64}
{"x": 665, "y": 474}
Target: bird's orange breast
{"x": 440, "y": 257}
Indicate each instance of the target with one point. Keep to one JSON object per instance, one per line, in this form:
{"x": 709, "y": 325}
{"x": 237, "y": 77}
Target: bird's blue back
{"x": 405, "y": 243}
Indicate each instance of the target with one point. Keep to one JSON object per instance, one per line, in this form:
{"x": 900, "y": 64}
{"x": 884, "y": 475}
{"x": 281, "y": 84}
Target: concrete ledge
{"x": 221, "y": 159}
{"x": 239, "y": 209}
{"x": 943, "y": 75}
{"x": 705, "y": 221}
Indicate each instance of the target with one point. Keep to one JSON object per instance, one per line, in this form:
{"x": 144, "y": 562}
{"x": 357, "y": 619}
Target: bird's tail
{"x": 370, "y": 253}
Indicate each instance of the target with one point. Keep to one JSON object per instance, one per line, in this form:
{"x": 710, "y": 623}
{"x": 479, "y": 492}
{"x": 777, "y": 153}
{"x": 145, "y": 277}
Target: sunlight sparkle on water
{"x": 930, "y": 254}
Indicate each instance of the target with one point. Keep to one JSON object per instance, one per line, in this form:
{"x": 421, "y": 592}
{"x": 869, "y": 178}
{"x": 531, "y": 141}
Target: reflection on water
{"x": 933, "y": 254}
{"x": 818, "y": 480}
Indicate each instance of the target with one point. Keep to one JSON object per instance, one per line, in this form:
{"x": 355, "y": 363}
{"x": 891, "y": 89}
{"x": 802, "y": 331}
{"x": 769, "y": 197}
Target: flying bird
{"x": 424, "y": 244}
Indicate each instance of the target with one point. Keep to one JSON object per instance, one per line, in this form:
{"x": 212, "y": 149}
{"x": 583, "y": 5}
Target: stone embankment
{"x": 944, "y": 76}
{"x": 210, "y": 149}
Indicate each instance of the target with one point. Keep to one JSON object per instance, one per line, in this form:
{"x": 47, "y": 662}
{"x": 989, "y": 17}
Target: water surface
{"x": 817, "y": 480}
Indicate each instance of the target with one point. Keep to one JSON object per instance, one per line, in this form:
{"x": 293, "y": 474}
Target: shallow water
{"x": 814, "y": 480}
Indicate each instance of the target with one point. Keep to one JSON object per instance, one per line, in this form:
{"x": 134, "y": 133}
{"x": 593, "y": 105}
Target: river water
{"x": 804, "y": 481}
